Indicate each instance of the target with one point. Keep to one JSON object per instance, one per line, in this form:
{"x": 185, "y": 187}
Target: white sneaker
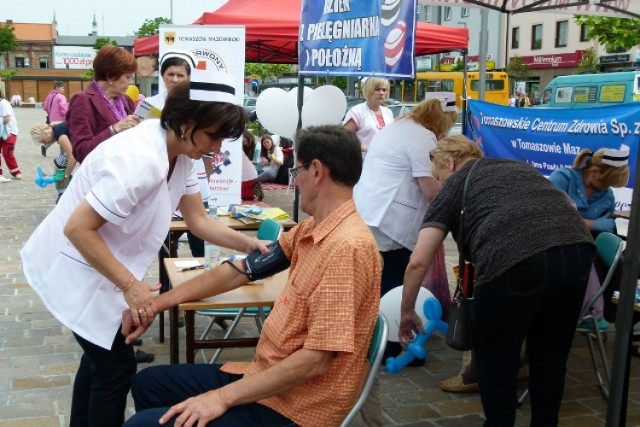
{"x": 3, "y": 179}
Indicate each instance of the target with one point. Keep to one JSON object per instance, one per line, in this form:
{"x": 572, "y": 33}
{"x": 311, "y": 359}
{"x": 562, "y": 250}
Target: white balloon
{"x": 325, "y": 106}
{"x": 390, "y": 307}
{"x": 277, "y": 112}
{"x": 306, "y": 92}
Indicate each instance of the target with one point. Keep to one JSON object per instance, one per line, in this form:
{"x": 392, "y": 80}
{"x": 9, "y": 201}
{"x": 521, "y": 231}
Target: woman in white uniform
{"x": 87, "y": 258}
{"x": 368, "y": 118}
{"x": 397, "y": 185}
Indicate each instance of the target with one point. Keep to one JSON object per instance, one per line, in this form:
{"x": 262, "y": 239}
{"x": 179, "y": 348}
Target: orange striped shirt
{"x": 330, "y": 303}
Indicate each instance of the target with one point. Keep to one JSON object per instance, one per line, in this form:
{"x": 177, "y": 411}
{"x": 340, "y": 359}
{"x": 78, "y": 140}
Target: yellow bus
{"x": 497, "y": 86}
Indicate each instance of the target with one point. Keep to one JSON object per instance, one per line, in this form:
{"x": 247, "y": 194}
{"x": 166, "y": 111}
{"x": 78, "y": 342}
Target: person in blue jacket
{"x": 588, "y": 183}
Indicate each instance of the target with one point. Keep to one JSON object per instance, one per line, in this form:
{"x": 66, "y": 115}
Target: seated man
{"x": 311, "y": 359}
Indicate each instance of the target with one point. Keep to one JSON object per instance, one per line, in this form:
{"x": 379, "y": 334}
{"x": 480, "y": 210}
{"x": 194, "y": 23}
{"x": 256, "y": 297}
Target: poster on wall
{"x": 550, "y": 139}
{"x": 362, "y": 38}
{"x": 73, "y": 57}
{"x": 218, "y": 48}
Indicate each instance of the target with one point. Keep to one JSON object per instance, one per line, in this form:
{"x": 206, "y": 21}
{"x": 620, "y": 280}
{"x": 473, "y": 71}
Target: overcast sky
{"x": 114, "y": 17}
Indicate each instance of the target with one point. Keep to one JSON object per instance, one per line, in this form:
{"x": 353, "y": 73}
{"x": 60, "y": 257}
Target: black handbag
{"x": 460, "y": 332}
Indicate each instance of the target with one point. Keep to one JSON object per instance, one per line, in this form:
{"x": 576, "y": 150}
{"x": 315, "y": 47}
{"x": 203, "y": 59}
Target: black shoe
{"x": 137, "y": 342}
{"x": 415, "y": 363}
{"x": 257, "y": 191}
{"x": 222, "y": 323}
{"x": 144, "y": 357}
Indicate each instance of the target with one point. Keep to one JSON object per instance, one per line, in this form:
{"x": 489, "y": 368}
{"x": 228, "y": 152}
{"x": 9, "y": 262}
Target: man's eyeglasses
{"x": 293, "y": 172}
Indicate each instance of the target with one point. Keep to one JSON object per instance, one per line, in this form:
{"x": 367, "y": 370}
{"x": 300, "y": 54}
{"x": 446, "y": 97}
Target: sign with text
{"x": 550, "y": 139}
{"x": 220, "y": 48}
{"x": 73, "y": 57}
{"x": 362, "y": 38}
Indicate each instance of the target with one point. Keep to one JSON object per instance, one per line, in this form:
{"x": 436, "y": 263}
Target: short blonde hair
{"x": 430, "y": 115}
{"x": 36, "y": 132}
{"x": 611, "y": 176}
{"x": 372, "y": 83}
{"x": 459, "y": 147}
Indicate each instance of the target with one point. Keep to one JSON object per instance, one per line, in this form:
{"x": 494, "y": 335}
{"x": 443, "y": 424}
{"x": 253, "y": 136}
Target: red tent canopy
{"x": 272, "y": 29}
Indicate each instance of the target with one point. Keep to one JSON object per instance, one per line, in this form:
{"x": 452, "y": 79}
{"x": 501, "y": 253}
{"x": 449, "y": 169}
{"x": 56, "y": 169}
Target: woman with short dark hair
{"x": 87, "y": 258}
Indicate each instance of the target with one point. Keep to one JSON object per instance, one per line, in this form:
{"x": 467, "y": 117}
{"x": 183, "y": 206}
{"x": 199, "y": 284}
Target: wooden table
{"x": 251, "y": 295}
{"x": 178, "y": 227}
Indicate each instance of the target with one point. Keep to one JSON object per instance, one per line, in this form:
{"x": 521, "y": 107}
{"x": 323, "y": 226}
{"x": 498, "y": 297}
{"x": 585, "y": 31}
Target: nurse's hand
{"x": 140, "y": 300}
{"x": 129, "y": 330}
{"x": 258, "y": 245}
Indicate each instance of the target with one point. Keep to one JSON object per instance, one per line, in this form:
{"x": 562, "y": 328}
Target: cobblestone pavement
{"x": 39, "y": 357}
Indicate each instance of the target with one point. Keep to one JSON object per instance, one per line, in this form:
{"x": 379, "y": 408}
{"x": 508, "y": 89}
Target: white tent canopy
{"x": 611, "y": 8}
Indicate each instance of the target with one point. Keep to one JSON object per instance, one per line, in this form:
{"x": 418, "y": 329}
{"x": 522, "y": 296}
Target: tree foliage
{"x": 8, "y": 40}
{"x": 264, "y": 72}
{"x": 588, "y": 62}
{"x": 101, "y": 41}
{"x": 151, "y": 27}
{"x": 518, "y": 69}
{"x": 613, "y": 33}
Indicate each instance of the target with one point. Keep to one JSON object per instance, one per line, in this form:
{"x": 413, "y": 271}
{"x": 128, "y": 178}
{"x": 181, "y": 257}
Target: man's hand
{"x": 129, "y": 329}
{"x": 410, "y": 325}
{"x": 197, "y": 411}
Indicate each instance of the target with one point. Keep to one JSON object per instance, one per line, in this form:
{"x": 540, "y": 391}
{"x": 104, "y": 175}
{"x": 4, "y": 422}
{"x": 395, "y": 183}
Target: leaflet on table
{"x": 258, "y": 213}
{"x": 145, "y": 110}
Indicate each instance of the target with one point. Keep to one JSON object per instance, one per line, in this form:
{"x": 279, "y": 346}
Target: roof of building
{"x": 90, "y": 40}
{"x": 33, "y": 32}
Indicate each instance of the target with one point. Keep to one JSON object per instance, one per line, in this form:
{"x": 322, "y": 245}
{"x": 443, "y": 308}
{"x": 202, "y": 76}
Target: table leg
{"x": 174, "y": 341}
{"x": 165, "y": 251}
{"x": 189, "y": 323}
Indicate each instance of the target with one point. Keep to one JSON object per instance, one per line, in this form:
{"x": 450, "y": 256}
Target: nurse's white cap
{"x": 212, "y": 86}
{"x": 616, "y": 158}
{"x": 447, "y": 100}
{"x": 179, "y": 53}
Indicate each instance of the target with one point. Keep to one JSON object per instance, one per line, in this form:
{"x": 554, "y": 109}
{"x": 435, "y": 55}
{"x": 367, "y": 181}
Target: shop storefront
{"x": 543, "y": 68}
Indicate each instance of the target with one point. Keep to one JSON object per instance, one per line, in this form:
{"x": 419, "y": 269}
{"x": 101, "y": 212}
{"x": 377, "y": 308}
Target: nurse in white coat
{"x": 87, "y": 258}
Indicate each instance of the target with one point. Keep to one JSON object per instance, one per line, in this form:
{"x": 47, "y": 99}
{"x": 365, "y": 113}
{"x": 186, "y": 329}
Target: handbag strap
{"x": 461, "y": 227}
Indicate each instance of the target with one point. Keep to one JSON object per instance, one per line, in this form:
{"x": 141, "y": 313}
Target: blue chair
{"x": 374, "y": 356}
{"x": 269, "y": 230}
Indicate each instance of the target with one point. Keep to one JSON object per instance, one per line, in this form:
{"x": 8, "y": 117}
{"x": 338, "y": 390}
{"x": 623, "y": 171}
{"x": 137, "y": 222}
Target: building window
{"x": 447, "y": 13}
{"x": 562, "y": 29}
{"x": 44, "y": 62}
{"x": 464, "y": 12}
{"x": 425, "y": 13}
{"x": 584, "y": 33}
{"x": 536, "y": 37}
{"x": 515, "y": 38}
{"x": 19, "y": 62}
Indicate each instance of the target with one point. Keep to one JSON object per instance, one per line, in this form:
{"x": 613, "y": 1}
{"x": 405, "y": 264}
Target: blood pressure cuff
{"x": 258, "y": 265}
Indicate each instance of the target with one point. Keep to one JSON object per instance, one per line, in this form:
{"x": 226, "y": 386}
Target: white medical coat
{"x": 125, "y": 181}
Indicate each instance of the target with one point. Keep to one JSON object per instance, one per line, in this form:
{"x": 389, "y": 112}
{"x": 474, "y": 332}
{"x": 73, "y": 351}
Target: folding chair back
{"x": 374, "y": 356}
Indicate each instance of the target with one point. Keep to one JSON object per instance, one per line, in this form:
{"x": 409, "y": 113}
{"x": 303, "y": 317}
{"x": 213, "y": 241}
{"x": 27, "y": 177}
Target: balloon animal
{"x": 415, "y": 350}
{"x": 43, "y": 180}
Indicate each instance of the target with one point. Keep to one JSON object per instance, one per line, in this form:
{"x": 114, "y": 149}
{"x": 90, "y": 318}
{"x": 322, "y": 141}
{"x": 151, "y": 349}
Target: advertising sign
{"x": 73, "y": 57}
{"x": 220, "y": 48}
{"x": 551, "y": 138}
{"x": 365, "y": 38}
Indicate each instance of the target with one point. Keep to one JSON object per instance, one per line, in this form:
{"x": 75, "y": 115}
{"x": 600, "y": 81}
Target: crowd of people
{"x": 381, "y": 195}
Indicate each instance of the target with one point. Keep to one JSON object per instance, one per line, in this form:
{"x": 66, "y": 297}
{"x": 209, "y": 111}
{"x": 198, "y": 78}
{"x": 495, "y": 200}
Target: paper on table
{"x": 186, "y": 263}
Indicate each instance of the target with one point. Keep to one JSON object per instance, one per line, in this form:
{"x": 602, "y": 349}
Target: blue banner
{"x": 358, "y": 38}
{"x": 549, "y": 139}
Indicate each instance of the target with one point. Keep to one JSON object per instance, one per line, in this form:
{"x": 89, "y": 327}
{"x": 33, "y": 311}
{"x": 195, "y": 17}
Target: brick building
{"x": 38, "y": 64}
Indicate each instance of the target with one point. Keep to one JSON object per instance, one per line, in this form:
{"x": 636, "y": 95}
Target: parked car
{"x": 250, "y": 107}
{"x": 400, "y": 109}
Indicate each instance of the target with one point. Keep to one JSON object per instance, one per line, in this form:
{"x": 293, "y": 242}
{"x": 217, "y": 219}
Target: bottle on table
{"x": 211, "y": 251}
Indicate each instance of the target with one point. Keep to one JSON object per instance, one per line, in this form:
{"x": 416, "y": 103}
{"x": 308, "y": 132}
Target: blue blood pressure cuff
{"x": 258, "y": 265}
